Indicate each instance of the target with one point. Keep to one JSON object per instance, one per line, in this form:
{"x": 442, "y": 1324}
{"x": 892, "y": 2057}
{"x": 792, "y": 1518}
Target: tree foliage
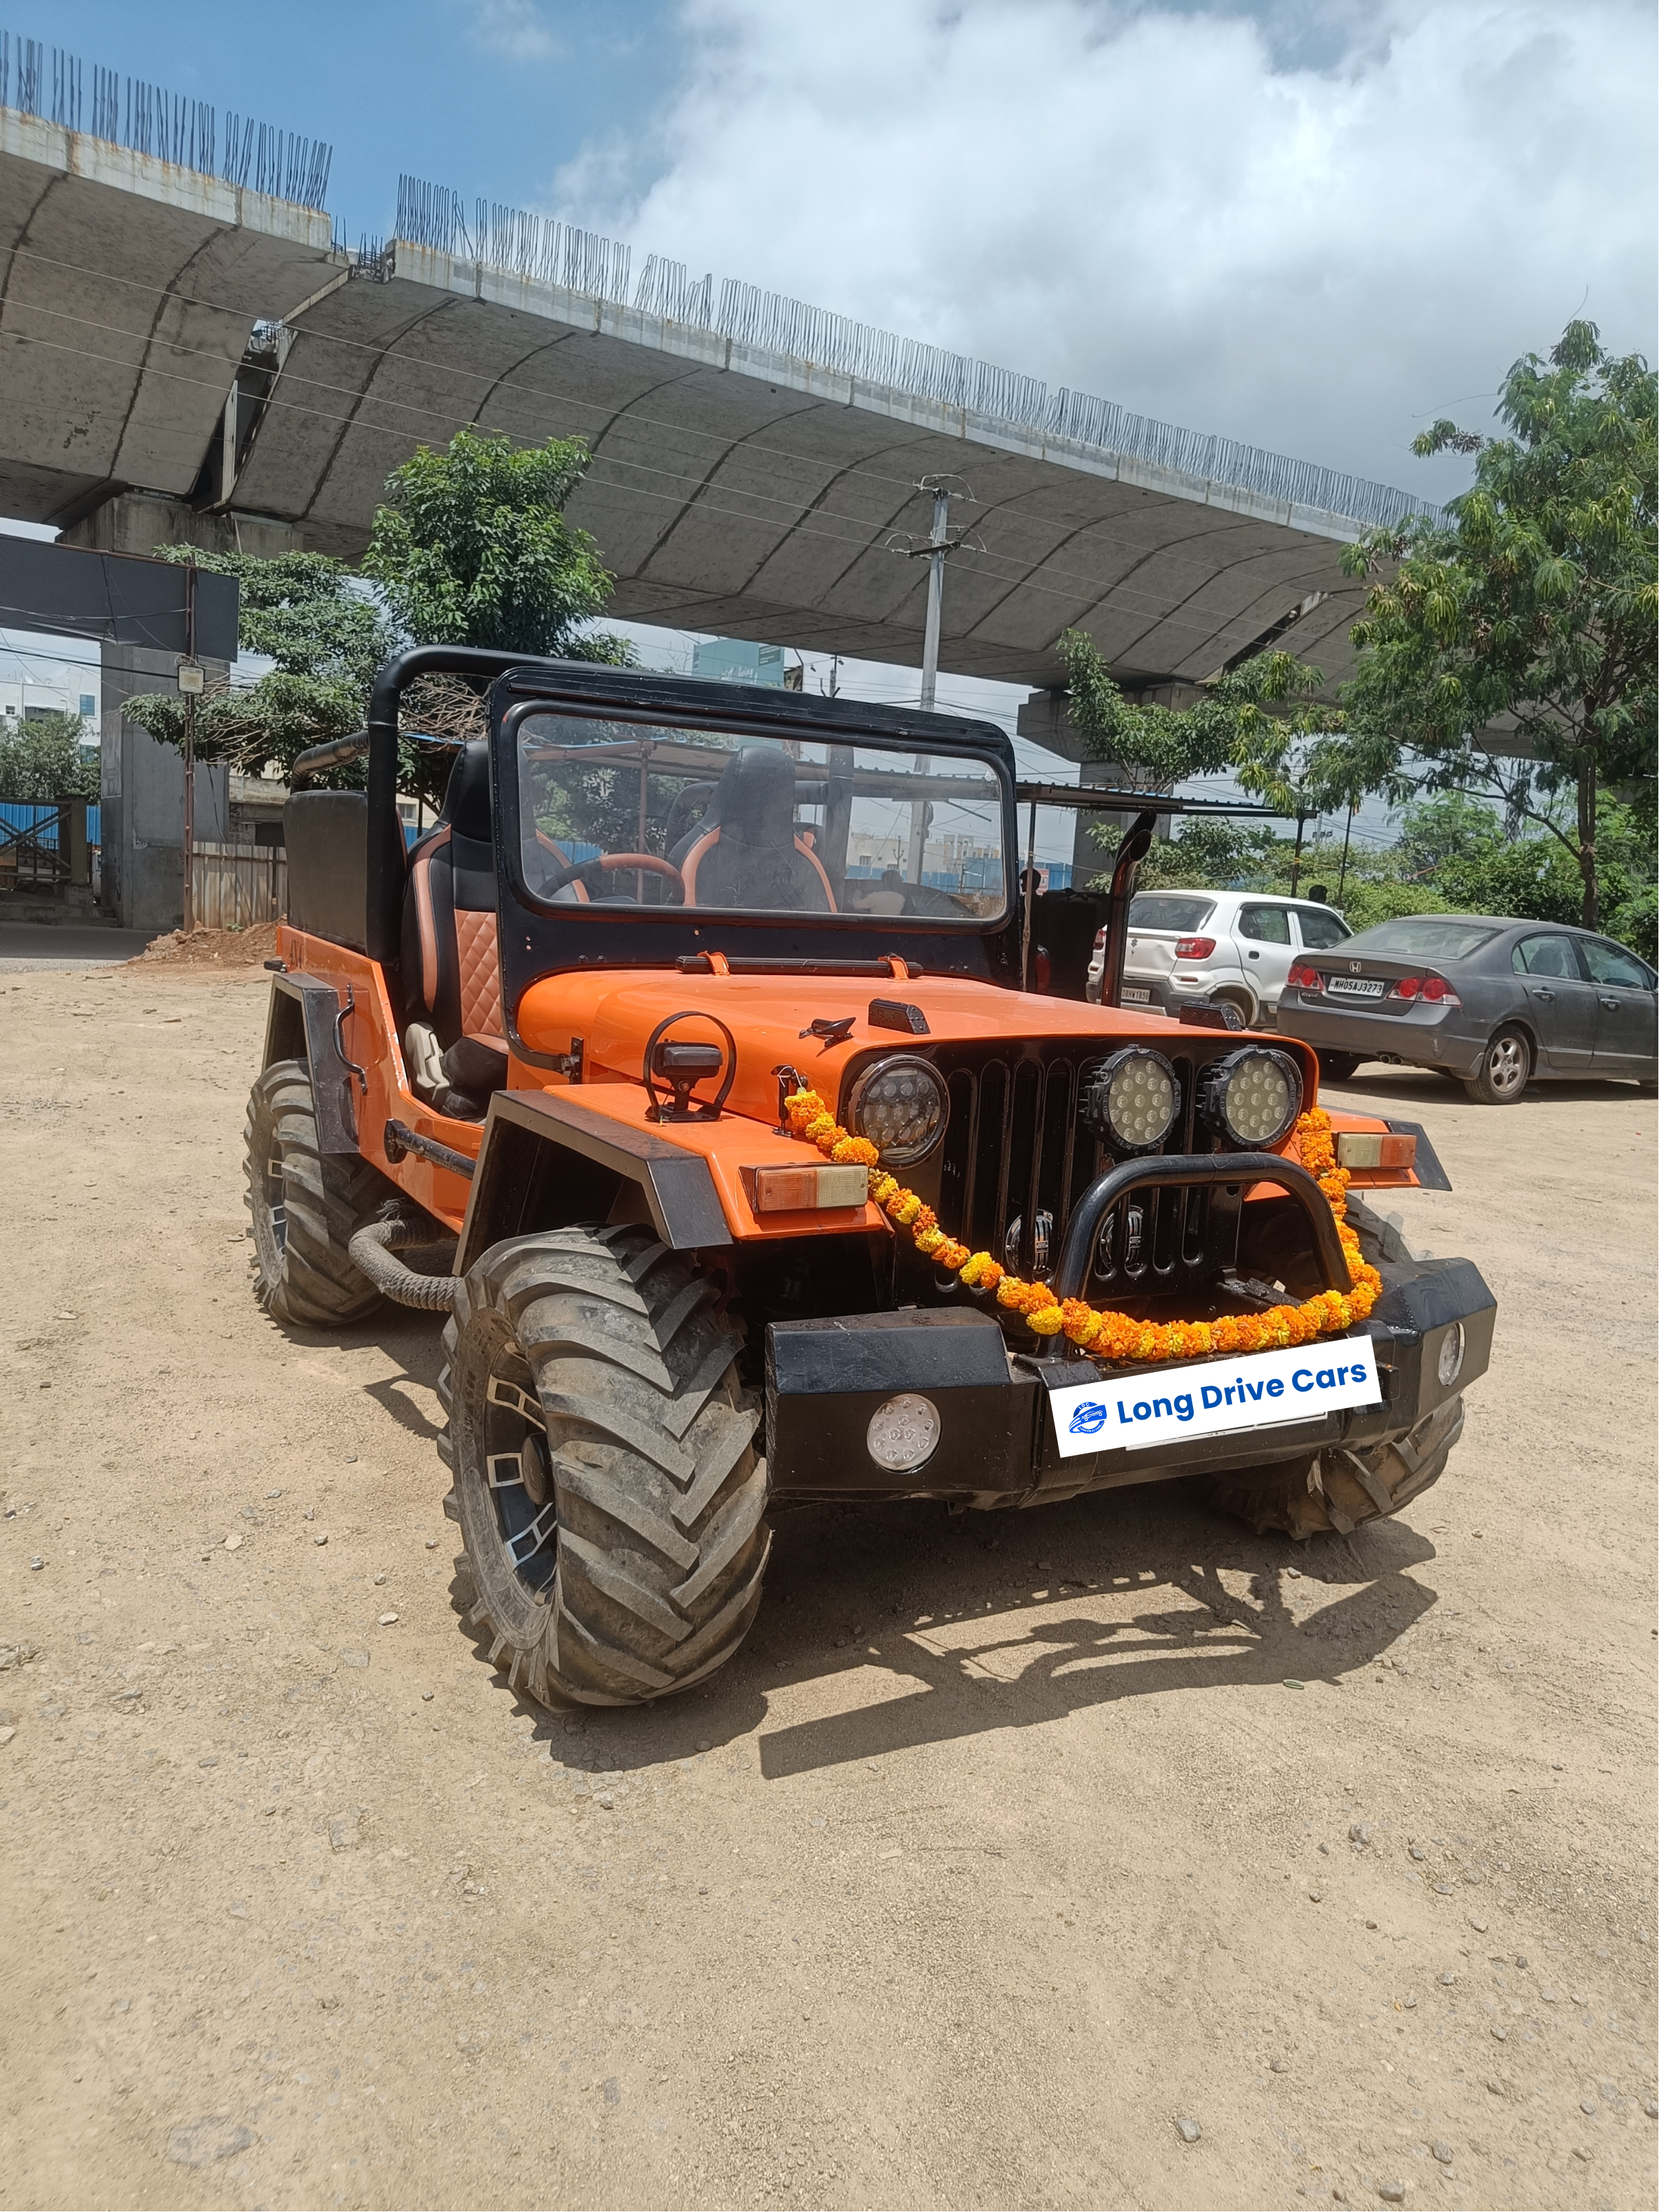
{"x": 1531, "y": 610}
{"x": 473, "y": 548}
{"x": 1263, "y": 721}
{"x": 41, "y": 757}
{"x": 326, "y": 636}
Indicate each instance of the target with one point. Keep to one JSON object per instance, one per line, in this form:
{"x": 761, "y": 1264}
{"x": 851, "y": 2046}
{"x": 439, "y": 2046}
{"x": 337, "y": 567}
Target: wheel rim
{"x": 519, "y": 1469}
{"x": 1506, "y": 1064}
{"x": 276, "y": 1205}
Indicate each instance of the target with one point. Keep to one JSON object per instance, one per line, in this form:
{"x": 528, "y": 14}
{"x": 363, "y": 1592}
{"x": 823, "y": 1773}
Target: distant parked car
{"x": 1237, "y": 947}
{"x": 1495, "y": 1002}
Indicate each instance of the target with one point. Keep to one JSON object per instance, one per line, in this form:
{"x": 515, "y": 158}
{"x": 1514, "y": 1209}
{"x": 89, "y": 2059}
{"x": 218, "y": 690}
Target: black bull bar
{"x": 1233, "y": 1173}
{"x": 826, "y": 1381}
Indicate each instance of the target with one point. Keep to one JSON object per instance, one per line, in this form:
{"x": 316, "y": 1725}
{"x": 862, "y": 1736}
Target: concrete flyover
{"x": 180, "y": 359}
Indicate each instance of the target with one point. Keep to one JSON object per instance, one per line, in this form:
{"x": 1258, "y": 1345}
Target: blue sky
{"x": 491, "y": 99}
{"x": 1312, "y": 225}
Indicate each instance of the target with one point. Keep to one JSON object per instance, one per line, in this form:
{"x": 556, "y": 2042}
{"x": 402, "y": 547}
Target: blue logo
{"x": 1089, "y": 1420}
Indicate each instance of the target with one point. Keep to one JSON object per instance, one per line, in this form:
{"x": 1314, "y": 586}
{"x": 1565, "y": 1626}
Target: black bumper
{"x": 997, "y": 1445}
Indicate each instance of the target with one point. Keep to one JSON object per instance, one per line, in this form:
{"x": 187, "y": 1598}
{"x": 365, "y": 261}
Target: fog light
{"x": 1252, "y": 1096}
{"x": 1451, "y": 1355}
{"x": 903, "y": 1432}
{"x": 1132, "y": 1100}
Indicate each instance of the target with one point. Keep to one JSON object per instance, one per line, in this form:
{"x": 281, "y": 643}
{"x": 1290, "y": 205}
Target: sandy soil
{"x": 1005, "y": 1845}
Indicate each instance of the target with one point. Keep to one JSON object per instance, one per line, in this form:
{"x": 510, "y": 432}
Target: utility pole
{"x": 1341, "y": 881}
{"x": 189, "y": 684}
{"x": 939, "y": 551}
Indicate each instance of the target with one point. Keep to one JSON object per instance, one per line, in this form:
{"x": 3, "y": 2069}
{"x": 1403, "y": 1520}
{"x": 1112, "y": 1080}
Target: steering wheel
{"x": 621, "y": 863}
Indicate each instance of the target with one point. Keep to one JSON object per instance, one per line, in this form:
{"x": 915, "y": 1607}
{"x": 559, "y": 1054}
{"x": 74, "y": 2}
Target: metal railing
{"x": 543, "y": 249}
{"x": 45, "y": 843}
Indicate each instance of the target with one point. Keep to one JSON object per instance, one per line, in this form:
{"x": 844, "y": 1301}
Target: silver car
{"x": 1234, "y": 948}
{"x": 1495, "y": 1002}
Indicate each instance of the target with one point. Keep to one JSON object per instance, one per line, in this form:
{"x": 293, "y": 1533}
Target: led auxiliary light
{"x": 1132, "y": 1100}
{"x": 1253, "y": 1096}
{"x": 1449, "y": 1365}
{"x": 903, "y": 1432}
{"x": 902, "y": 1106}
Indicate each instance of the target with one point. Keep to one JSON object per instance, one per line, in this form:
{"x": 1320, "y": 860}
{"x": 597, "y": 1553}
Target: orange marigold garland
{"x": 1114, "y": 1336}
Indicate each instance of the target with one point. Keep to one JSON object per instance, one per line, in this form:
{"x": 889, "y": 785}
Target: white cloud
{"x": 514, "y": 28}
{"x": 1302, "y": 223}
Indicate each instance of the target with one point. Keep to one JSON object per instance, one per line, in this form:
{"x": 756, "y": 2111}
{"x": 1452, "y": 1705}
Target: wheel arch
{"x": 1517, "y": 1022}
{"x": 548, "y": 1161}
{"x": 302, "y": 1023}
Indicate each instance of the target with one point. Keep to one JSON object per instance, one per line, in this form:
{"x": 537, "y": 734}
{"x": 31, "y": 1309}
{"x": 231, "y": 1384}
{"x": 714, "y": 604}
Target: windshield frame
{"x": 538, "y": 942}
{"x": 697, "y": 921}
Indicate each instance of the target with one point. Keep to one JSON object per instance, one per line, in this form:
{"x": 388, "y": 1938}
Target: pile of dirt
{"x": 203, "y": 948}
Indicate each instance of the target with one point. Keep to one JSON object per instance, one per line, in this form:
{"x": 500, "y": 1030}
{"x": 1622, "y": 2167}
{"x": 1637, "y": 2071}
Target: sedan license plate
{"x": 1135, "y": 998}
{"x": 1356, "y": 986}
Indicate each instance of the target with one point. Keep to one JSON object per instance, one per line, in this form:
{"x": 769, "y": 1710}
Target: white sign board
{"x": 1216, "y": 1397}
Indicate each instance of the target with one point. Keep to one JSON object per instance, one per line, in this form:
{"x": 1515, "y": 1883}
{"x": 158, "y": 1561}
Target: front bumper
{"x": 1423, "y": 1037}
{"x": 997, "y": 1445}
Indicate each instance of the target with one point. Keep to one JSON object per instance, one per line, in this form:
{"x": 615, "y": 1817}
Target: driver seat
{"x": 746, "y": 851}
{"x": 451, "y": 962}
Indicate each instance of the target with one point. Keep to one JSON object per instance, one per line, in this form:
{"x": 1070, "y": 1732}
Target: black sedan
{"x": 1497, "y": 1003}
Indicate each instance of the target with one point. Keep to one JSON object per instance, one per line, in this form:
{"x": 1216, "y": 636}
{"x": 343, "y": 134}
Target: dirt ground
{"x": 1007, "y": 1845}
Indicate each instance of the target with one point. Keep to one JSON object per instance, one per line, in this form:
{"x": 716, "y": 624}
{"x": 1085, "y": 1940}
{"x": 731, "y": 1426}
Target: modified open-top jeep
{"x": 599, "y": 1066}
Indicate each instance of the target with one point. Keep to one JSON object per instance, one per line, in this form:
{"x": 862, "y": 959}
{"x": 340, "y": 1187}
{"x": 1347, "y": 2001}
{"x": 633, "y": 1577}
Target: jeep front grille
{"x": 1016, "y": 1159}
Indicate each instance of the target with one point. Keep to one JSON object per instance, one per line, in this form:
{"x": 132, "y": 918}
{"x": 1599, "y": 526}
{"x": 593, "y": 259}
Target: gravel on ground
{"x": 1103, "y": 1854}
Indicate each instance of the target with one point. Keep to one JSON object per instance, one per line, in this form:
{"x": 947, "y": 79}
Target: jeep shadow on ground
{"x": 413, "y": 1342}
{"x": 945, "y": 1626}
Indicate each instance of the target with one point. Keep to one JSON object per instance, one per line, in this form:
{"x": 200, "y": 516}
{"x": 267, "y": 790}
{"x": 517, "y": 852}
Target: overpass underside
{"x": 182, "y": 360}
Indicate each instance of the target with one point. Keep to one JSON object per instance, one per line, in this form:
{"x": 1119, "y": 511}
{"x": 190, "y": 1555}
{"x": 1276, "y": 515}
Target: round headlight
{"x": 903, "y": 1432}
{"x": 1253, "y": 1096}
{"x": 902, "y": 1106}
{"x": 1132, "y": 1100}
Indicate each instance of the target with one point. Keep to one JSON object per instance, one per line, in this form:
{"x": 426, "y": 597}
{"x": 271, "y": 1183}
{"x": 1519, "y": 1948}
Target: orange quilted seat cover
{"x": 480, "y": 971}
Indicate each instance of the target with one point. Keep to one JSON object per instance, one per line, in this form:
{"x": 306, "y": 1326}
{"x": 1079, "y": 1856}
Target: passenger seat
{"x": 451, "y": 962}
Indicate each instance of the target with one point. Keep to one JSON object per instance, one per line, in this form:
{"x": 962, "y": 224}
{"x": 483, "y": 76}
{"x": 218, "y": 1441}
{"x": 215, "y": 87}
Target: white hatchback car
{"x": 1234, "y": 946}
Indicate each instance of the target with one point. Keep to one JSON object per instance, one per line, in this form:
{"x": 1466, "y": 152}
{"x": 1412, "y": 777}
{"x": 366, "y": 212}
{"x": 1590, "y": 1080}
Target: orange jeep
{"x": 536, "y": 1071}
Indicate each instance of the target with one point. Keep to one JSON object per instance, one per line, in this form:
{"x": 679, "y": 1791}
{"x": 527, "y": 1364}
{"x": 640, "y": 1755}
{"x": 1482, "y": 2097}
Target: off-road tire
{"x": 606, "y": 1484}
{"x": 306, "y": 1205}
{"x": 1336, "y": 1489}
{"x": 1505, "y": 1070}
{"x": 1337, "y": 1066}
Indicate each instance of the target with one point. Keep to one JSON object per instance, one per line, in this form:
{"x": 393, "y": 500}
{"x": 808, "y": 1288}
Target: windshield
{"x": 617, "y": 813}
{"x": 1425, "y": 937}
{"x": 1157, "y": 910}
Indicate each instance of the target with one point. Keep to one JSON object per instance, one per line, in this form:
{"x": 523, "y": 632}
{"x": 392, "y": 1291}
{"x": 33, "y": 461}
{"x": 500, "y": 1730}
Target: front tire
{"x": 605, "y": 1477}
{"x": 1506, "y": 1069}
{"x": 1336, "y": 1490}
{"x": 307, "y": 1206}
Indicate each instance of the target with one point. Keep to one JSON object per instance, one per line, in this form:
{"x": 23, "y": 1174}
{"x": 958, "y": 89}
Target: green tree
{"x": 1263, "y": 721}
{"x": 473, "y": 548}
{"x": 1529, "y": 612}
{"x": 43, "y": 756}
{"x": 325, "y": 634}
